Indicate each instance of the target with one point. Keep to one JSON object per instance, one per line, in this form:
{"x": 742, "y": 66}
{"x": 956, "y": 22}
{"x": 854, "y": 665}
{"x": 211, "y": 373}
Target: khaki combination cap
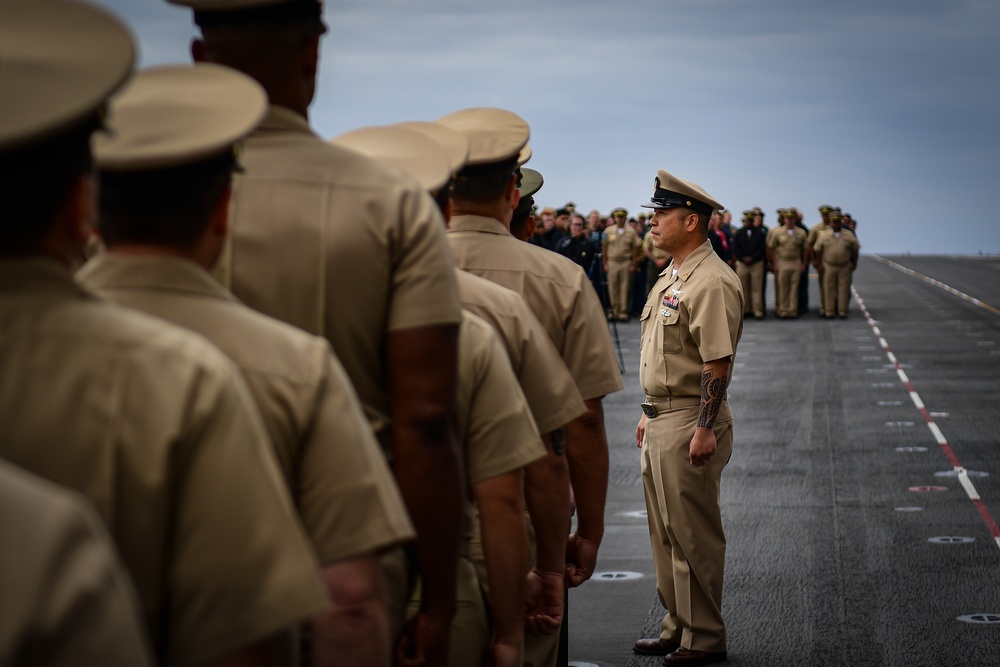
{"x": 825, "y": 208}
{"x": 494, "y": 135}
{"x": 671, "y": 192}
{"x": 59, "y": 61}
{"x": 531, "y": 182}
{"x": 453, "y": 142}
{"x": 178, "y": 114}
{"x": 409, "y": 150}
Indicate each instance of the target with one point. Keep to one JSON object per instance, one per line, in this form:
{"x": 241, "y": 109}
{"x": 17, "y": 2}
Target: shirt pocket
{"x": 670, "y": 333}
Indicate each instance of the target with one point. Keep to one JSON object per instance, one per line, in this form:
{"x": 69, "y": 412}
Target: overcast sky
{"x": 887, "y": 108}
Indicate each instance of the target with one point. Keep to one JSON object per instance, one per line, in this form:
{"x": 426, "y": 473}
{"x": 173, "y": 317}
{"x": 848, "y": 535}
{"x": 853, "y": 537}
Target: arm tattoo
{"x": 558, "y": 440}
{"x": 713, "y": 391}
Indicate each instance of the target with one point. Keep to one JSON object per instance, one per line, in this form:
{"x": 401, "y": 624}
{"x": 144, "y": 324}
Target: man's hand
{"x": 424, "y": 642}
{"x": 702, "y": 446}
{"x": 581, "y": 559}
{"x": 505, "y": 655}
{"x": 640, "y": 431}
{"x": 543, "y": 603}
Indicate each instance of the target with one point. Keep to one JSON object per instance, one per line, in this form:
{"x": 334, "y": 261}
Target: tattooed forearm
{"x": 713, "y": 391}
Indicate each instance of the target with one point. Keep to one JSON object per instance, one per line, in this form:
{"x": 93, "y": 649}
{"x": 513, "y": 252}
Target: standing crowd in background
{"x": 618, "y": 254}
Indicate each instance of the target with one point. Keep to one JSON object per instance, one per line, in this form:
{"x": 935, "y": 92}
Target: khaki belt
{"x": 654, "y": 405}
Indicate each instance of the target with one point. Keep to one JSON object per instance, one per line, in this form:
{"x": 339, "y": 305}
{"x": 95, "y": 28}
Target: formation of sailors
{"x": 283, "y": 415}
{"x": 630, "y": 264}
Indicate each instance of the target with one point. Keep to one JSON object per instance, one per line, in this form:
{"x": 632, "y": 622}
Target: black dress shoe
{"x": 688, "y": 658}
{"x": 655, "y": 646}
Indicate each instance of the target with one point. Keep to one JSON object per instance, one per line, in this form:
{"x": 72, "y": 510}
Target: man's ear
{"x": 198, "y": 53}
{"x": 510, "y": 191}
{"x": 79, "y": 214}
{"x": 691, "y": 221}
{"x": 220, "y": 213}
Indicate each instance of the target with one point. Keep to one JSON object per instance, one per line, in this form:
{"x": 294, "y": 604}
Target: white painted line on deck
{"x": 937, "y": 283}
{"x": 963, "y": 475}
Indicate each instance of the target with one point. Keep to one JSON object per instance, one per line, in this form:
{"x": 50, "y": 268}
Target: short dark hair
{"x": 702, "y": 218}
{"x": 170, "y": 206}
{"x": 519, "y": 220}
{"x": 36, "y": 181}
{"x": 483, "y": 183}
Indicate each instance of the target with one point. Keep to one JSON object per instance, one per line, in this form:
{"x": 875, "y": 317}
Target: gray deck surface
{"x": 823, "y": 568}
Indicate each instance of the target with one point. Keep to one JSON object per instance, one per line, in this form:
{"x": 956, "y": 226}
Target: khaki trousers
{"x": 618, "y": 286}
{"x": 752, "y": 278}
{"x": 787, "y": 287}
{"x": 824, "y": 305}
{"x": 836, "y": 288}
{"x": 685, "y": 527}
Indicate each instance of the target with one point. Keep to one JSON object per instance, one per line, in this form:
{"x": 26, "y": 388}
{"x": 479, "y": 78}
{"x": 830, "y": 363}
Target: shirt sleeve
{"x": 711, "y": 318}
{"x": 423, "y": 281}
{"x": 347, "y": 497}
{"x": 587, "y": 348}
{"x": 241, "y": 569}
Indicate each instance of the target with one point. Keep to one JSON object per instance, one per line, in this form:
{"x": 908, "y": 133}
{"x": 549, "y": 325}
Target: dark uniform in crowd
{"x": 691, "y": 325}
{"x": 750, "y": 253}
{"x": 578, "y": 246}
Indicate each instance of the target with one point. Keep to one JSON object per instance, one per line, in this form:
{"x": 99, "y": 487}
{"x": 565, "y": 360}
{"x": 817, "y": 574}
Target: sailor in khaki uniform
{"x": 786, "y": 251}
{"x": 343, "y": 247}
{"x": 619, "y": 248}
{"x": 546, "y": 382}
{"x": 836, "y": 249}
{"x": 147, "y": 420}
{"x": 691, "y": 325}
{"x": 497, "y": 433}
{"x": 811, "y": 238}
{"x": 66, "y": 598}
{"x": 499, "y": 439}
{"x": 164, "y": 194}
{"x": 558, "y": 293}
{"x": 432, "y": 153}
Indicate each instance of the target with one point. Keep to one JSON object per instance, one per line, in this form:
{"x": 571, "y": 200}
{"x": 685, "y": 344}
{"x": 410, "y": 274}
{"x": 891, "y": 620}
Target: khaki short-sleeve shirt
{"x": 787, "y": 244}
{"x": 547, "y": 385}
{"x": 691, "y": 317}
{"x": 338, "y": 245}
{"x": 620, "y": 243}
{"x": 339, "y": 480}
{"x": 157, "y": 429}
{"x": 497, "y": 431}
{"x": 557, "y": 291}
{"x": 837, "y": 248}
{"x": 814, "y": 233}
{"x": 66, "y": 599}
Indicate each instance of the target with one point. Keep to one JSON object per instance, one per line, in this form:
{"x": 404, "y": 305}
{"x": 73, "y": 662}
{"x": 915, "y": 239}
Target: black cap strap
{"x": 669, "y": 199}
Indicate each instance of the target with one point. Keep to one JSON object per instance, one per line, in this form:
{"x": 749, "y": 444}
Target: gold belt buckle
{"x": 648, "y": 409}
